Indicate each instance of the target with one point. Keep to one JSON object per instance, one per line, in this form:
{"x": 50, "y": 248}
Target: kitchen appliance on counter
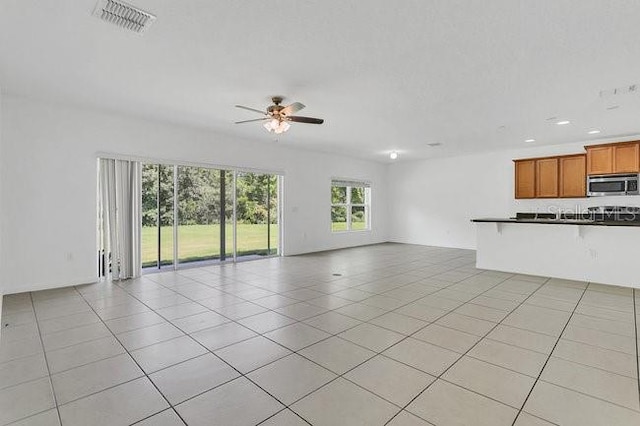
{"x": 536, "y": 216}
{"x": 598, "y": 186}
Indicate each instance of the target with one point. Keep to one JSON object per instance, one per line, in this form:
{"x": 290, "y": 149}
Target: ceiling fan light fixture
{"x": 282, "y": 127}
{"x": 277, "y": 126}
{"x": 272, "y": 124}
{"x": 276, "y": 118}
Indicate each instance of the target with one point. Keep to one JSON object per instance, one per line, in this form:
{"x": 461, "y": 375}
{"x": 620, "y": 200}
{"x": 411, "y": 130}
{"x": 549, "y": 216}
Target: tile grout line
{"x": 46, "y": 360}
{"x": 540, "y": 286}
{"x": 134, "y": 360}
{"x": 292, "y": 318}
{"x": 584, "y": 291}
{"x": 338, "y": 333}
{"x": 241, "y": 374}
{"x": 252, "y": 300}
{"x": 415, "y": 332}
{"x": 588, "y": 395}
{"x": 376, "y": 353}
{"x": 435, "y": 291}
{"x": 297, "y": 351}
{"x": 330, "y": 310}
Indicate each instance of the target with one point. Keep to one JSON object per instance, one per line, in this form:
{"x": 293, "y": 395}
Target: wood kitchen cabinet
{"x": 613, "y": 158}
{"x": 551, "y": 177}
{"x": 547, "y": 178}
{"x": 626, "y": 158}
{"x": 525, "y": 182}
{"x": 565, "y": 176}
{"x": 573, "y": 176}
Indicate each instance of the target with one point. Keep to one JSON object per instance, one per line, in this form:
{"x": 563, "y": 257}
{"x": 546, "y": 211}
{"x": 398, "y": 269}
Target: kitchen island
{"x": 606, "y": 252}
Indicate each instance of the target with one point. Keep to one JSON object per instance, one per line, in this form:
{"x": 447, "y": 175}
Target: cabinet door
{"x": 547, "y": 178}
{"x": 525, "y": 179}
{"x": 600, "y": 160}
{"x": 573, "y": 176}
{"x": 626, "y": 158}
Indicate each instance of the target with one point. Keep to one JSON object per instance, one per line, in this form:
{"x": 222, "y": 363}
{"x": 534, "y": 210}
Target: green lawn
{"x": 342, "y": 226}
{"x": 200, "y": 242}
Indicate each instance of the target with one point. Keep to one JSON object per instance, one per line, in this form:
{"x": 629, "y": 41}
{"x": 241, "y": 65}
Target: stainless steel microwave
{"x": 598, "y": 186}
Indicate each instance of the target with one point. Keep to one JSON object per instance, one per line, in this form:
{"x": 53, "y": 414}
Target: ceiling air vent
{"x": 124, "y": 15}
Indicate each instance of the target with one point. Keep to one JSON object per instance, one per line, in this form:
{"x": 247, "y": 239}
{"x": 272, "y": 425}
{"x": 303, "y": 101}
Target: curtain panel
{"x": 119, "y": 216}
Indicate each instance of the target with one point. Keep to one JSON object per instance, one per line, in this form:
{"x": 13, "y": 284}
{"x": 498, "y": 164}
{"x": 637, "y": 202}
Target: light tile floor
{"x": 387, "y": 334}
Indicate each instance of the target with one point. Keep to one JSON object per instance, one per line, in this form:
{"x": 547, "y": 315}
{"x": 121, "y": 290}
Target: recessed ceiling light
{"x": 530, "y": 140}
{"x": 593, "y": 132}
{"x": 393, "y": 155}
{"x": 563, "y": 122}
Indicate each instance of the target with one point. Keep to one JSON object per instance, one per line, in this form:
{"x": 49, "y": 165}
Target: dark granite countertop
{"x": 583, "y": 222}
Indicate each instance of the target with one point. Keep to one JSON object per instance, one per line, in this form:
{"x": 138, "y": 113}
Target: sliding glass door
{"x": 195, "y": 214}
{"x": 257, "y": 214}
{"x": 205, "y": 214}
{"x": 157, "y": 215}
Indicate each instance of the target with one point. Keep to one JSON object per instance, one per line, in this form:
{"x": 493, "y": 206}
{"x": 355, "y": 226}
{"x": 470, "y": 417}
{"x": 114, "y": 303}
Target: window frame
{"x": 348, "y": 184}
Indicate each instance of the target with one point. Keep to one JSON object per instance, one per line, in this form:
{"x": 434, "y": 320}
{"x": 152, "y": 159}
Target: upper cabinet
{"x": 599, "y": 160}
{"x": 565, "y": 176}
{"x": 525, "y": 183}
{"x": 626, "y": 158}
{"x": 613, "y": 158}
{"x": 573, "y": 176}
{"x": 551, "y": 177}
{"x": 547, "y": 178}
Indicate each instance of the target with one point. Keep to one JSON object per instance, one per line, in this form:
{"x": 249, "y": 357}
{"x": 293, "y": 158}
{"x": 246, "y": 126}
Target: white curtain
{"x": 119, "y": 215}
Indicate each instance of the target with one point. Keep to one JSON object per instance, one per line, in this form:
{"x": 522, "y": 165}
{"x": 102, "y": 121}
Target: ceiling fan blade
{"x": 309, "y": 120}
{"x": 292, "y": 109}
{"x": 251, "y": 109}
{"x": 251, "y": 121}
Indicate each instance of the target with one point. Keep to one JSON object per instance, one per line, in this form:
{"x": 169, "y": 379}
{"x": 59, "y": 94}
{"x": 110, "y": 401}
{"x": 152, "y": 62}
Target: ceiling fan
{"x": 277, "y": 117}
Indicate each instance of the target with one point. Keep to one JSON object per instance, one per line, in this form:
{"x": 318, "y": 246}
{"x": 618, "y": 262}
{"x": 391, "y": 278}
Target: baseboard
{"x": 410, "y": 241}
{"x": 332, "y": 248}
{"x": 48, "y": 286}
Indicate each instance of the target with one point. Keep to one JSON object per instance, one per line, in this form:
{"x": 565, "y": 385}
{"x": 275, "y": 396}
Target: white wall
{"x": 433, "y": 201}
{"x": 1, "y": 209}
{"x": 48, "y": 186}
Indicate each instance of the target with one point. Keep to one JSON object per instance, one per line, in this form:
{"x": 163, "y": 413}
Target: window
{"x": 350, "y": 201}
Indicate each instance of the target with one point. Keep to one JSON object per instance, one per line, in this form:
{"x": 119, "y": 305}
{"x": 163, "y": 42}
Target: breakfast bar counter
{"x": 606, "y": 252}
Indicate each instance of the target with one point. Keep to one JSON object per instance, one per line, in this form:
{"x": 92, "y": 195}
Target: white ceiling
{"x": 385, "y": 75}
